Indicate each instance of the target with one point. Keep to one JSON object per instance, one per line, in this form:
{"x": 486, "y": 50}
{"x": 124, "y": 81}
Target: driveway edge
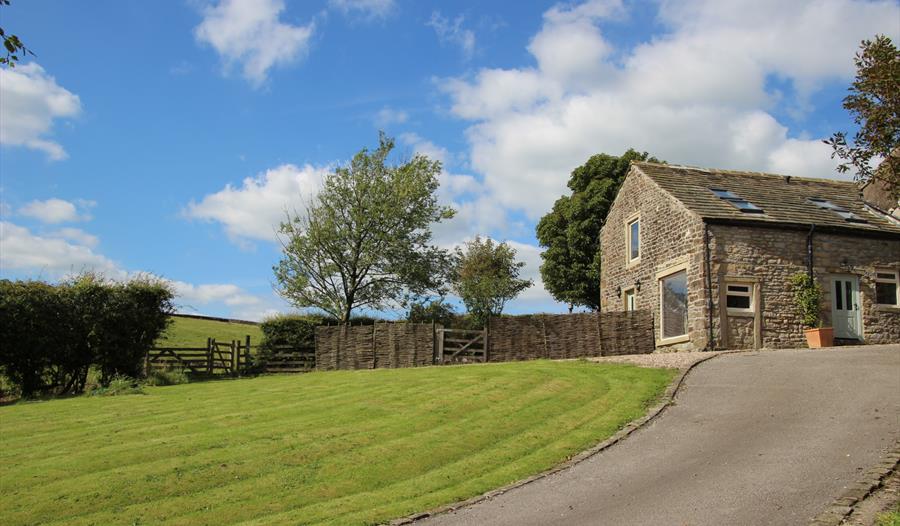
{"x": 665, "y": 401}
{"x": 841, "y": 508}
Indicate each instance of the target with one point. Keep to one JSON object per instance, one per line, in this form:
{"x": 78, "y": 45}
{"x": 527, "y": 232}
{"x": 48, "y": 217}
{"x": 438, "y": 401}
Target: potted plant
{"x": 807, "y": 297}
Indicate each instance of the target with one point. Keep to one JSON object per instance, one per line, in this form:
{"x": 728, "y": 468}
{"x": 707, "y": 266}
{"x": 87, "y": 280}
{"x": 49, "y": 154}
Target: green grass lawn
{"x": 347, "y": 447}
{"x": 192, "y": 332}
{"x": 890, "y": 517}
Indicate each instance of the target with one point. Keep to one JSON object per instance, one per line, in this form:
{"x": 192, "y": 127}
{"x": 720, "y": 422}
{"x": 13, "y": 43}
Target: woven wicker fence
{"x": 510, "y": 338}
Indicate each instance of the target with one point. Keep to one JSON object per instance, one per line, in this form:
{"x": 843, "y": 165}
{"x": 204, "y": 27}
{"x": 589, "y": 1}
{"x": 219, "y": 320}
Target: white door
{"x": 845, "y": 313}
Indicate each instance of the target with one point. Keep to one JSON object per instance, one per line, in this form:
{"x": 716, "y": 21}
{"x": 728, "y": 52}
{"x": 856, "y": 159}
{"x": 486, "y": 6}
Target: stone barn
{"x": 711, "y": 253}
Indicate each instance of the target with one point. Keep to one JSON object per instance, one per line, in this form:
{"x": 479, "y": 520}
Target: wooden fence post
{"x": 487, "y": 340}
{"x": 440, "y": 342}
{"x": 210, "y": 343}
{"x": 235, "y": 353}
{"x": 374, "y": 353}
{"x": 246, "y": 354}
{"x": 433, "y": 343}
{"x": 544, "y": 334}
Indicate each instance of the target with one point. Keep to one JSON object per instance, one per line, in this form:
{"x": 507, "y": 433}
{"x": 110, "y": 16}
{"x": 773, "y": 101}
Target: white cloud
{"x": 77, "y": 236}
{"x": 250, "y": 33}
{"x": 30, "y": 102}
{"x": 452, "y": 32}
{"x": 260, "y": 204}
{"x": 21, "y": 250}
{"x": 387, "y": 116}
{"x": 57, "y": 210}
{"x": 696, "y": 94}
{"x": 227, "y": 293}
{"x": 366, "y": 8}
{"x": 68, "y": 251}
{"x": 422, "y": 146}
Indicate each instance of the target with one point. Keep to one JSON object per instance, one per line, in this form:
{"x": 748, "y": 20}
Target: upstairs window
{"x": 633, "y": 234}
{"x": 738, "y": 202}
{"x": 825, "y": 204}
{"x": 886, "y": 287}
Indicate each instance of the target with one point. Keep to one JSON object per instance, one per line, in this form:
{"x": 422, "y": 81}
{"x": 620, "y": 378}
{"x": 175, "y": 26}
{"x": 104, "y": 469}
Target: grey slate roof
{"x": 784, "y": 199}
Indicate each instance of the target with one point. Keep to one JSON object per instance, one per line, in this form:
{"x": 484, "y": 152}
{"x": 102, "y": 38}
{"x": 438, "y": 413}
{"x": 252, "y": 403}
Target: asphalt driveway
{"x": 757, "y": 438}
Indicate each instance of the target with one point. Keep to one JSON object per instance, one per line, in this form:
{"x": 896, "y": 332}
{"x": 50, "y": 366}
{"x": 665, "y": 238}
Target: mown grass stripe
{"x": 370, "y": 446}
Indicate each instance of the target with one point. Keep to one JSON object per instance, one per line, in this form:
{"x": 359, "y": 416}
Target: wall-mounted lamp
{"x": 846, "y": 266}
{"x": 619, "y": 291}
{"x": 637, "y": 285}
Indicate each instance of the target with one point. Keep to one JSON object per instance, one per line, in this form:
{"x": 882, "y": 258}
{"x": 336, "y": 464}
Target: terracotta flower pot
{"x": 821, "y": 337}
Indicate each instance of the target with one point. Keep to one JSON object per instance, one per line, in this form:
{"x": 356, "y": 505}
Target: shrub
{"x": 118, "y": 385}
{"x": 53, "y": 334}
{"x": 807, "y": 297}
{"x": 161, "y": 377}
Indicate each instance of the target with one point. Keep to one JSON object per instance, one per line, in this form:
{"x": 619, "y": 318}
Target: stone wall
{"x": 670, "y": 235}
{"x": 770, "y": 256}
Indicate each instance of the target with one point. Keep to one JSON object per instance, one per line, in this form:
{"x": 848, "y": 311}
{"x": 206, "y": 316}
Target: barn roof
{"x": 773, "y": 199}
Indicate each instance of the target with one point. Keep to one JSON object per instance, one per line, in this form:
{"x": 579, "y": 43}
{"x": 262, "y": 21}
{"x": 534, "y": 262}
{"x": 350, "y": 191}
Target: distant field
{"x": 191, "y": 332}
{"x": 346, "y": 447}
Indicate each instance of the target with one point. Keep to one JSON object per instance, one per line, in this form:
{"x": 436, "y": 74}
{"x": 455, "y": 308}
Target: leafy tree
{"x": 365, "y": 241}
{"x": 570, "y": 232}
{"x": 437, "y": 311}
{"x": 874, "y": 103}
{"x": 486, "y": 276}
{"x": 13, "y": 45}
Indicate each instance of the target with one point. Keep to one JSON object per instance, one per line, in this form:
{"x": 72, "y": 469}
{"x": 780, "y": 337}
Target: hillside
{"x": 193, "y": 332}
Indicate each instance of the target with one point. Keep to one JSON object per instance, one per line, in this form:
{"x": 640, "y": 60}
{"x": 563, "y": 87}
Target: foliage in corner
{"x": 570, "y": 232}
{"x": 13, "y": 46}
{"x": 874, "y": 103}
{"x": 807, "y": 297}
{"x": 486, "y": 276}
{"x": 365, "y": 241}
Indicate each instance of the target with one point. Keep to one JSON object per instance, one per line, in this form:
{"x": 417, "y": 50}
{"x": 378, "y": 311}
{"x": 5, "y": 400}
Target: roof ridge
{"x": 748, "y": 173}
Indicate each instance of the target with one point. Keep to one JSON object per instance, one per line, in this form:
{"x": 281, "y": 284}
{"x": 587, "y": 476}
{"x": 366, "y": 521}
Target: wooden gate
{"x": 462, "y": 346}
{"x": 225, "y": 358}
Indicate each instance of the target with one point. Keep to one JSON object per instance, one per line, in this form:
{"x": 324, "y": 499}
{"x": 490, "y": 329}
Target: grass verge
{"x": 354, "y": 447}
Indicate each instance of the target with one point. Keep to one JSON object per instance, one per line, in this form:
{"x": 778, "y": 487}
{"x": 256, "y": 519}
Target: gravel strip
{"x": 672, "y": 360}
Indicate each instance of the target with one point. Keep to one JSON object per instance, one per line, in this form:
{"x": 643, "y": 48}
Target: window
{"x": 740, "y": 203}
{"x": 673, "y": 305}
{"x": 886, "y": 285}
{"x": 825, "y": 204}
{"x": 629, "y": 300}
{"x": 634, "y": 239}
{"x": 739, "y": 297}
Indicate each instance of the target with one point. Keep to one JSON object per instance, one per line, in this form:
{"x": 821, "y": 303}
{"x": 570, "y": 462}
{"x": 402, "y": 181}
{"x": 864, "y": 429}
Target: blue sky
{"x": 168, "y": 137}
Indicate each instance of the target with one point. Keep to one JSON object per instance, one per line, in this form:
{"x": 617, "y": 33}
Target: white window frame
{"x": 749, "y": 294}
{"x": 660, "y": 276}
{"x": 895, "y": 280}
{"x": 636, "y": 218}
{"x": 625, "y": 293}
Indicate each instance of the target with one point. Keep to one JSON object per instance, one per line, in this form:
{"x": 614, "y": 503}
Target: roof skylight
{"x": 738, "y": 202}
{"x": 839, "y": 210}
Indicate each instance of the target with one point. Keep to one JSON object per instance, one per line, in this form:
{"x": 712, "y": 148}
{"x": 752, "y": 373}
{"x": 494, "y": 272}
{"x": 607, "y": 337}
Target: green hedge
{"x": 295, "y": 330}
{"x": 51, "y": 335}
